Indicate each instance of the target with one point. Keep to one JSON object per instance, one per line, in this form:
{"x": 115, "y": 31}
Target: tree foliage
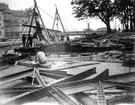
{"x": 102, "y": 9}
{"x": 126, "y": 12}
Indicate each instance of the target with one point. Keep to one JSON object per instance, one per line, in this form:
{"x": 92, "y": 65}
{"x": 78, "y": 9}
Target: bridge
{"x": 75, "y": 33}
{"x": 55, "y": 34}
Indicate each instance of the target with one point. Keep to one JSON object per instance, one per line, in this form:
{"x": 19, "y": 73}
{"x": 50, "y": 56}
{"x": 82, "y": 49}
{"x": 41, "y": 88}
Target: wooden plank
{"x": 77, "y": 65}
{"x": 54, "y": 76}
{"x": 79, "y": 76}
{"x": 122, "y": 75}
{"x": 78, "y": 86}
{"x": 34, "y": 64}
{"x": 17, "y": 76}
{"x": 12, "y": 70}
{"x": 71, "y": 84}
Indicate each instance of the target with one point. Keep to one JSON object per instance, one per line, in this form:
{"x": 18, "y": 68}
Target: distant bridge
{"x": 74, "y": 33}
{"x": 56, "y": 34}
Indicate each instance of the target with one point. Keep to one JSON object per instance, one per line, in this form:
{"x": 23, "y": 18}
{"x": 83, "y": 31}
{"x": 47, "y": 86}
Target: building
{"x": 18, "y": 18}
{"x": 12, "y": 20}
{"x": 2, "y": 30}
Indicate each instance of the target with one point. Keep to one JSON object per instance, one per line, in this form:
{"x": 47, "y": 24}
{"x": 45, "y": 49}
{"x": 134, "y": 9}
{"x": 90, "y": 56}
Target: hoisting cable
{"x": 69, "y": 23}
{"x": 46, "y": 12}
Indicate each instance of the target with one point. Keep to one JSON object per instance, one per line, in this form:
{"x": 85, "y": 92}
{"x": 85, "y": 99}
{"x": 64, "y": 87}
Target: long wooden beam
{"x": 16, "y": 76}
{"x": 40, "y": 93}
{"x": 55, "y": 92}
{"x": 79, "y": 76}
{"x": 78, "y": 83}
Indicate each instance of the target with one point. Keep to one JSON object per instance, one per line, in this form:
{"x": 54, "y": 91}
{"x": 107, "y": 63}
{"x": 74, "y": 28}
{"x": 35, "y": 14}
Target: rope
{"x": 46, "y": 12}
{"x": 69, "y": 23}
{"x": 62, "y": 16}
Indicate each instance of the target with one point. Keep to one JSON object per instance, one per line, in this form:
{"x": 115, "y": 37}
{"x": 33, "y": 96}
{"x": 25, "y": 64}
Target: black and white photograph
{"x": 67, "y": 52}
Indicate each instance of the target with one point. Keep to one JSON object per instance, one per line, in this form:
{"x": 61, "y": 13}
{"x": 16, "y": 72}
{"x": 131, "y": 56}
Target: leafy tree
{"x": 134, "y": 16}
{"x": 125, "y": 10}
{"x": 102, "y": 9}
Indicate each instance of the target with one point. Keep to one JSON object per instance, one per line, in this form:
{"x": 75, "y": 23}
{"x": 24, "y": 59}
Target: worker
{"x": 30, "y": 40}
{"x": 23, "y": 40}
{"x": 36, "y": 41}
{"x": 41, "y": 59}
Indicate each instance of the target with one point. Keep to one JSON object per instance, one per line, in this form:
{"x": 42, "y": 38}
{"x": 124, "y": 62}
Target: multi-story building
{"x": 2, "y": 30}
{"x": 12, "y": 20}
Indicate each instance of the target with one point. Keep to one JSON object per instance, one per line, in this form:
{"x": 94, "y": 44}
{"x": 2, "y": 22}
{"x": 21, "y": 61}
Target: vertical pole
{"x": 47, "y": 36}
{"x": 27, "y": 43}
{"x": 54, "y": 21}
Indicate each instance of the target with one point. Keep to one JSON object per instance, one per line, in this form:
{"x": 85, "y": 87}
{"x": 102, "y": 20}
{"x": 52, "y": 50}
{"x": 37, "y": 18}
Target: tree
{"x": 125, "y": 10}
{"x": 101, "y": 9}
{"x": 134, "y": 15}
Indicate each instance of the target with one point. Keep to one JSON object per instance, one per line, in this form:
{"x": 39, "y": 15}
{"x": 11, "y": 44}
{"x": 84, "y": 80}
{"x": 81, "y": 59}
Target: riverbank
{"x": 10, "y": 43}
{"x": 7, "y": 45}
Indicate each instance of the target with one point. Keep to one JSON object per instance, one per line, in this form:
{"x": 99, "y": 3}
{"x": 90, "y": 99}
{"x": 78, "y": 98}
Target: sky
{"x": 65, "y": 10}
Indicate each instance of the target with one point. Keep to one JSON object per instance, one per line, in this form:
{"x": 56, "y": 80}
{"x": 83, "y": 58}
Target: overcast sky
{"x": 65, "y": 11}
